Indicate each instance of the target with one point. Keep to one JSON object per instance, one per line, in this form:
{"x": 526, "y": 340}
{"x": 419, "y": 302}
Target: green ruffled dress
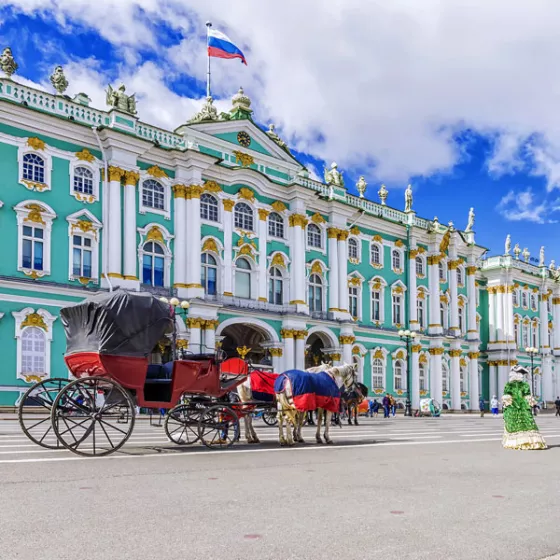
{"x": 520, "y": 429}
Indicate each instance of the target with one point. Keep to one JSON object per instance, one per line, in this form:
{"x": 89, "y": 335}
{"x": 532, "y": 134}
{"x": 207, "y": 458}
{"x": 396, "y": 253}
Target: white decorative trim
{"x": 48, "y": 320}
{"x": 397, "y": 270}
{"x": 166, "y": 245}
{"x": 324, "y": 280}
{"x": 166, "y": 183}
{"x": 75, "y": 227}
{"x": 94, "y": 168}
{"x": 41, "y": 212}
{"x": 244, "y": 320}
{"x": 46, "y": 154}
{"x": 325, "y": 331}
{"x": 383, "y": 286}
{"x": 385, "y": 353}
{"x": 354, "y": 260}
{"x": 381, "y": 247}
{"x": 253, "y": 273}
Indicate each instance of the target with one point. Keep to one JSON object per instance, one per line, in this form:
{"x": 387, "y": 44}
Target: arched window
{"x": 460, "y": 279}
{"x": 83, "y": 180}
{"x": 243, "y": 278}
{"x": 315, "y": 293}
{"x": 515, "y": 297}
{"x": 461, "y": 316}
{"x": 444, "y": 377}
{"x": 153, "y": 194}
{"x": 33, "y": 168}
{"x": 375, "y": 254}
{"x": 398, "y": 375}
{"x": 397, "y": 309}
{"x": 275, "y": 225}
{"x": 419, "y": 266}
{"x": 422, "y": 376}
{"x": 420, "y": 312}
{"x": 377, "y": 373}
{"x": 516, "y": 333}
{"x": 33, "y": 350}
{"x": 524, "y": 300}
{"x": 525, "y": 336}
{"x": 353, "y": 301}
{"x": 462, "y": 379}
{"x": 442, "y": 313}
{"x": 314, "y": 237}
{"x": 275, "y": 286}
{"x": 243, "y": 216}
{"x": 209, "y": 207}
{"x": 353, "y": 249}
{"x": 441, "y": 270}
{"x": 396, "y": 259}
{"x": 82, "y": 256}
{"x": 209, "y": 274}
{"x": 533, "y": 302}
{"x": 376, "y": 305}
{"x": 33, "y": 239}
{"x": 535, "y": 335}
{"x": 153, "y": 264}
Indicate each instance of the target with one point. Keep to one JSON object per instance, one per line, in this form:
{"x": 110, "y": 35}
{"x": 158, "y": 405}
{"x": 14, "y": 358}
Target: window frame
{"x": 165, "y": 183}
{"x": 398, "y": 362}
{"x": 276, "y": 275}
{"x": 379, "y": 246}
{"x": 249, "y": 215}
{"x": 247, "y": 271}
{"x": 311, "y": 285}
{"x": 419, "y": 260}
{"x": 92, "y": 232}
{"x": 94, "y": 168}
{"x": 206, "y": 266}
{"x": 206, "y": 196}
{"x": 164, "y": 240}
{"x": 46, "y": 154}
{"x": 356, "y": 241}
{"x": 280, "y": 223}
{"x": 319, "y": 234}
{"x": 396, "y": 252}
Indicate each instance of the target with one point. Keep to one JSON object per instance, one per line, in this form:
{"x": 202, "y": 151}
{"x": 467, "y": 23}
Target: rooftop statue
{"x": 541, "y": 256}
{"x": 361, "y": 186}
{"x": 552, "y": 266}
{"x": 333, "y": 176}
{"x": 275, "y": 138}
{"x": 7, "y": 62}
{"x": 58, "y": 80}
{"x": 118, "y": 99}
{"x": 470, "y": 222}
{"x": 408, "y": 199}
{"x": 383, "y": 193}
{"x": 508, "y": 244}
{"x": 517, "y": 250}
{"x": 526, "y": 254}
{"x": 207, "y": 113}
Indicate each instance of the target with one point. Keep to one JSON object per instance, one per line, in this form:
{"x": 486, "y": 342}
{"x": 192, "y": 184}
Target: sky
{"x": 459, "y": 99}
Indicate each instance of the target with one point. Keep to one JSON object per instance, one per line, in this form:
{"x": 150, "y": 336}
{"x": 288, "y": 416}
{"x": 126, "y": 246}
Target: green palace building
{"x": 289, "y": 270}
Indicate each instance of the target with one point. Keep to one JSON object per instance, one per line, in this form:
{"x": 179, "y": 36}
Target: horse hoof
{"x": 301, "y": 440}
{"x": 329, "y": 441}
{"x": 319, "y": 440}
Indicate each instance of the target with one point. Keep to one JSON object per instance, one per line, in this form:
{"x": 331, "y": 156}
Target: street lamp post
{"x": 183, "y": 308}
{"x": 408, "y": 336}
{"x": 532, "y": 351}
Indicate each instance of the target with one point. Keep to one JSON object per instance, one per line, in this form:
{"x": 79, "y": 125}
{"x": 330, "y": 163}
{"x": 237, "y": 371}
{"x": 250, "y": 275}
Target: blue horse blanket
{"x": 310, "y": 390}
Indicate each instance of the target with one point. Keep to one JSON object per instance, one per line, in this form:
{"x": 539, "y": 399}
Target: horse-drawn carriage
{"x": 109, "y": 338}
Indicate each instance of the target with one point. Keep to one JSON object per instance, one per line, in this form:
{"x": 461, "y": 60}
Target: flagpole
{"x": 208, "y": 26}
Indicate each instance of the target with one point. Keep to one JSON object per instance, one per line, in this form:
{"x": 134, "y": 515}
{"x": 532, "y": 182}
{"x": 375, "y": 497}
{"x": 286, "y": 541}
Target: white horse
{"x": 344, "y": 375}
{"x": 245, "y": 393}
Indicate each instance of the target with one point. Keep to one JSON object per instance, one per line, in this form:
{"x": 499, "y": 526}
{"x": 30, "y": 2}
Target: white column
{"x": 332, "y": 234}
{"x": 299, "y": 337}
{"x": 210, "y": 336}
{"x": 472, "y": 331}
{"x": 547, "y": 383}
{"x": 509, "y": 330}
{"x": 453, "y": 299}
{"x": 115, "y": 229}
{"x": 500, "y": 314}
{"x": 412, "y": 291}
{"x": 435, "y": 326}
{"x": 455, "y": 367}
{"x": 180, "y": 244}
{"x": 289, "y": 349}
{"x": 193, "y": 241}
{"x": 342, "y": 271}
{"x": 436, "y": 353}
{"x": 556, "y": 325}
{"x": 263, "y": 261}
{"x": 503, "y": 374}
{"x": 346, "y": 342}
{"x": 130, "y": 255}
{"x": 543, "y": 316}
{"x": 474, "y": 389}
{"x": 194, "y": 324}
{"x": 415, "y": 377}
{"x": 228, "y": 249}
{"x": 491, "y": 314}
{"x": 297, "y": 248}
{"x": 493, "y": 379}
{"x": 277, "y": 362}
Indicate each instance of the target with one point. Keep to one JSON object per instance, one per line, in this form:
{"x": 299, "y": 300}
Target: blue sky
{"x": 463, "y": 104}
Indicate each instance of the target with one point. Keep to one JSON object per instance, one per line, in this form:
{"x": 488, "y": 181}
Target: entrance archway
{"x": 317, "y": 344}
{"x": 238, "y": 334}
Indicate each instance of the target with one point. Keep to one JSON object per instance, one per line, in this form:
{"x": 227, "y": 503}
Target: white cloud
{"x": 522, "y": 206}
{"x": 377, "y": 86}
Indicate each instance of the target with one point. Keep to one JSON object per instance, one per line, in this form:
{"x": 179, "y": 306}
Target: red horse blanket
{"x": 262, "y": 385}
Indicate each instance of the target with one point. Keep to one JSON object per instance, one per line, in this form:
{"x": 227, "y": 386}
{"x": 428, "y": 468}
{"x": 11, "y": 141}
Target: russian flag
{"x": 221, "y": 46}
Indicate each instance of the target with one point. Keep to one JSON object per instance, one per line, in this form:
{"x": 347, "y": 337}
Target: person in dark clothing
{"x": 557, "y": 405}
{"x": 481, "y": 406}
{"x": 386, "y": 405}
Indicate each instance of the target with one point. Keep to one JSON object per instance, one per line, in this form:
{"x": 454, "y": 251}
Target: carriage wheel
{"x": 93, "y": 416}
{"x": 270, "y": 417}
{"x": 218, "y": 427}
{"x": 34, "y": 412}
{"x": 181, "y": 424}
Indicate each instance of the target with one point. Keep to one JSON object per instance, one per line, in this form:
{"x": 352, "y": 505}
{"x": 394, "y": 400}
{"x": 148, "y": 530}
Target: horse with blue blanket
{"x": 317, "y": 388}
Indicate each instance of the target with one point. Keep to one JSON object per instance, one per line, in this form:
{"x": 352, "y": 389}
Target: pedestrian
{"x": 393, "y": 405}
{"x": 370, "y": 408}
{"x": 375, "y": 408}
{"x": 481, "y": 405}
{"x": 557, "y": 405}
{"x": 386, "y": 405}
{"x": 494, "y": 406}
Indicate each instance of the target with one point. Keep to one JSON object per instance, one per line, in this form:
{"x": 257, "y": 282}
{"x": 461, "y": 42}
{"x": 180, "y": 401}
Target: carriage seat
{"x": 158, "y": 373}
{"x": 198, "y": 357}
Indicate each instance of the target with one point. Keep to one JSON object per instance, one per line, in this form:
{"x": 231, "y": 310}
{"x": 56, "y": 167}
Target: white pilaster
{"x": 297, "y": 248}
{"x": 228, "y": 248}
{"x": 332, "y": 235}
{"x": 436, "y": 352}
{"x": 455, "y": 371}
{"x": 493, "y": 379}
{"x": 342, "y": 271}
{"x": 491, "y": 314}
{"x": 472, "y": 331}
{"x": 453, "y": 299}
{"x": 412, "y": 292}
{"x": 195, "y": 337}
{"x": 415, "y": 377}
{"x": 556, "y": 325}
{"x": 474, "y": 389}
{"x": 194, "y": 288}
{"x": 180, "y": 245}
{"x": 508, "y": 299}
{"x": 299, "y": 337}
{"x": 435, "y": 326}
{"x": 289, "y": 349}
{"x": 209, "y": 336}
{"x": 543, "y": 316}
{"x": 115, "y": 227}
{"x": 130, "y": 256}
{"x": 263, "y": 263}
{"x": 500, "y": 315}
{"x": 503, "y": 374}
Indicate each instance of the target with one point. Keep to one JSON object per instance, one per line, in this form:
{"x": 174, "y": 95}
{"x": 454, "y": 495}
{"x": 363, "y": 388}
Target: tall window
{"x": 81, "y": 256}
{"x": 535, "y": 335}
{"x": 314, "y": 237}
{"x": 533, "y": 302}
{"x": 275, "y": 286}
{"x": 83, "y": 180}
{"x": 353, "y": 301}
{"x": 375, "y": 254}
{"x": 524, "y": 300}
{"x": 153, "y": 264}
{"x": 33, "y": 347}
{"x": 243, "y": 278}
{"x": 444, "y": 377}
{"x": 459, "y": 276}
{"x": 441, "y": 271}
{"x": 315, "y": 293}
{"x": 353, "y": 249}
{"x": 275, "y": 225}
{"x": 376, "y": 305}
{"x": 462, "y": 379}
{"x": 153, "y": 194}
{"x": 419, "y": 266}
{"x": 442, "y": 313}
{"x": 396, "y": 259}
{"x": 516, "y": 334}
{"x": 243, "y": 216}
{"x": 422, "y": 376}
{"x": 209, "y": 207}
{"x": 420, "y": 312}
{"x": 209, "y": 274}
{"x": 33, "y": 168}
{"x": 525, "y": 336}
{"x": 515, "y": 297}
{"x": 398, "y": 375}
{"x": 461, "y": 316}
{"x": 397, "y": 311}
{"x": 32, "y": 248}
{"x": 377, "y": 373}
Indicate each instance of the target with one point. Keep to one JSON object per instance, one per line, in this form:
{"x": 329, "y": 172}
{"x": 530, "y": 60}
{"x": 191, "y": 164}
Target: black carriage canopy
{"x": 119, "y": 323}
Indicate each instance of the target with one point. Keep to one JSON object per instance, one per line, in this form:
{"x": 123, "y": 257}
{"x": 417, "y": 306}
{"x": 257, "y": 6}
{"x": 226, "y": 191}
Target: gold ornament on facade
{"x": 421, "y": 294}
{"x": 336, "y": 357}
{"x": 36, "y": 143}
{"x": 115, "y": 173}
{"x": 279, "y": 206}
{"x": 378, "y": 355}
{"x": 228, "y": 204}
{"x": 242, "y": 351}
{"x": 211, "y": 186}
{"x": 437, "y": 351}
{"x": 377, "y": 238}
{"x": 462, "y": 362}
{"x": 347, "y": 339}
{"x": 194, "y": 322}
{"x": 376, "y": 286}
{"x": 300, "y": 335}
{"x": 399, "y": 243}
{"x": 211, "y": 324}
{"x": 354, "y": 281}
{"x": 446, "y": 239}
{"x": 154, "y": 234}
{"x": 182, "y": 344}
{"x": 474, "y": 355}
{"x": 355, "y": 230}
{"x": 263, "y": 214}
{"x": 278, "y": 260}
{"x": 287, "y": 333}
{"x": 179, "y": 191}
{"x": 398, "y": 290}
{"x": 35, "y": 214}
{"x": 416, "y": 348}
{"x": 156, "y": 171}
{"x": 246, "y": 250}
{"x": 356, "y": 351}
{"x": 131, "y": 178}
{"x": 244, "y": 159}
{"x": 343, "y": 235}
{"x": 400, "y": 355}
{"x": 297, "y": 220}
{"x": 85, "y": 155}
{"x": 246, "y": 194}
{"x": 34, "y": 274}
{"x": 33, "y": 378}
{"x": 194, "y": 191}
{"x": 210, "y": 245}
{"x": 34, "y": 320}
{"x": 332, "y": 233}
{"x": 33, "y": 186}
{"x": 471, "y": 270}
{"x": 276, "y": 352}
{"x": 454, "y": 265}
{"x": 316, "y": 268}
{"x": 317, "y": 218}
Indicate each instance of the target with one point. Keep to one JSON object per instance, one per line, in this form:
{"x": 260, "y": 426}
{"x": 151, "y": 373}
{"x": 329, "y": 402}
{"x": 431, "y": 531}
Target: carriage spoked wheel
{"x": 93, "y": 416}
{"x": 181, "y": 424}
{"x": 218, "y": 427}
{"x": 270, "y": 417}
{"x": 34, "y": 412}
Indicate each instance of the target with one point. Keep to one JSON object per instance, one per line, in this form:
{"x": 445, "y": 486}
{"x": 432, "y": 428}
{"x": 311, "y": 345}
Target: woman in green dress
{"x": 520, "y": 429}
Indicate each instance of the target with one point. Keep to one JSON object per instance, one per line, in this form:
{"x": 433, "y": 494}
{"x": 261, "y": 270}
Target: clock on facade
{"x": 244, "y": 139}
